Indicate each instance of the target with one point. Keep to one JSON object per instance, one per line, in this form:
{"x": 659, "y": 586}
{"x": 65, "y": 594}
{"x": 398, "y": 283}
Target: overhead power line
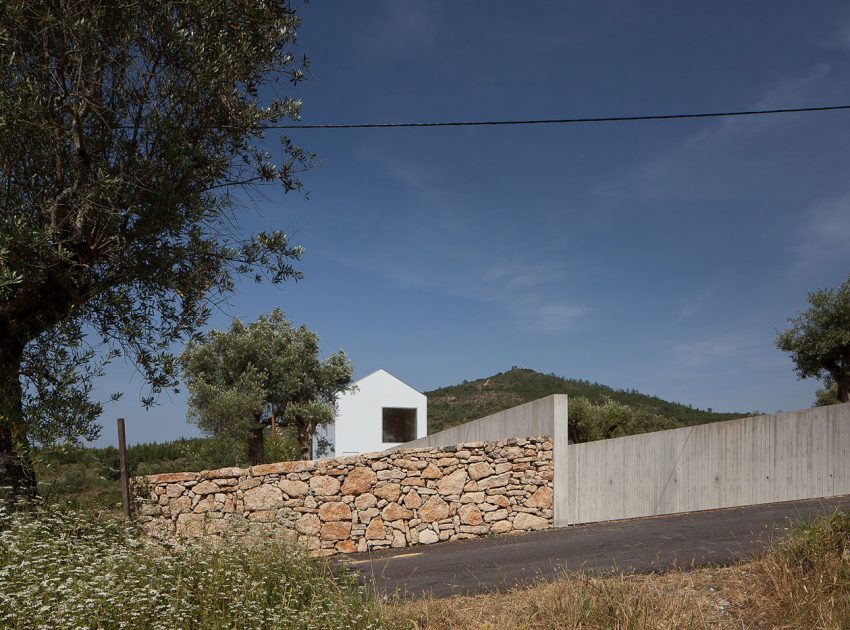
{"x": 565, "y": 121}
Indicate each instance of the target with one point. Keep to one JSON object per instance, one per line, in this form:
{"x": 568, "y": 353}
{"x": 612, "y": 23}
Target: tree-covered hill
{"x": 456, "y": 404}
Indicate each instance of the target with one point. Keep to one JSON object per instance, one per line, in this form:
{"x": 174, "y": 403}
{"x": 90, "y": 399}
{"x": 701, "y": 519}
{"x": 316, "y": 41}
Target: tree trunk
{"x": 305, "y": 439}
{"x": 17, "y": 475}
{"x": 257, "y": 447}
{"x": 842, "y": 389}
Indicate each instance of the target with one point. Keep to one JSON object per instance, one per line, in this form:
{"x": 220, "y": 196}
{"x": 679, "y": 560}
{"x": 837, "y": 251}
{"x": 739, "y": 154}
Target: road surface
{"x": 718, "y": 537}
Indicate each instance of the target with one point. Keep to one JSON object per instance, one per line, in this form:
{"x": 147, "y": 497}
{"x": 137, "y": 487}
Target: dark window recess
{"x": 399, "y": 424}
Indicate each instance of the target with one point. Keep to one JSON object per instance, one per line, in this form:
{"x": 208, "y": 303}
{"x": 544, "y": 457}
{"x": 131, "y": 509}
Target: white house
{"x": 380, "y": 413}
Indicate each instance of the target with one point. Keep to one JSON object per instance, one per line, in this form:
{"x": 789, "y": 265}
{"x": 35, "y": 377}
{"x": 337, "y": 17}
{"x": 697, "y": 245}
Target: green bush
{"x": 813, "y": 546}
{"x": 589, "y": 421}
{"x": 67, "y": 570}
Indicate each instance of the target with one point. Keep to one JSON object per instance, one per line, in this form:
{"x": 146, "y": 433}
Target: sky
{"x": 661, "y": 256}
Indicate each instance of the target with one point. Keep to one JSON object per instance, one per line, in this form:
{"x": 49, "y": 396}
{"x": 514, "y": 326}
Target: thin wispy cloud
{"x": 548, "y": 317}
{"x": 406, "y": 23}
{"x": 674, "y": 171}
{"x": 754, "y": 352}
{"x": 705, "y": 351}
{"x": 520, "y": 276}
{"x": 825, "y": 235}
{"x": 696, "y": 304}
{"x": 840, "y": 38}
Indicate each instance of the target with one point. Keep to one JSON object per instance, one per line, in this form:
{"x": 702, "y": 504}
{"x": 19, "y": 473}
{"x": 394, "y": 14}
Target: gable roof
{"x": 379, "y": 370}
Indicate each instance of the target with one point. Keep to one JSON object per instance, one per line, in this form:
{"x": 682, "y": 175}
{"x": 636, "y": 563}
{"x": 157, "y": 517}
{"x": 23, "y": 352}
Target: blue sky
{"x": 661, "y": 256}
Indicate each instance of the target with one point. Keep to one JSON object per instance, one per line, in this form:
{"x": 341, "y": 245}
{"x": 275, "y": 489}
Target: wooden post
{"x": 274, "y": 425}
{"x": 125, "y": 473}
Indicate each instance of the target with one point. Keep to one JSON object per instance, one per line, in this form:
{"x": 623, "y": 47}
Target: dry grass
{"x": 803, "y": 582}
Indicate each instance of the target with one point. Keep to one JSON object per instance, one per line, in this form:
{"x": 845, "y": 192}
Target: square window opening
{"x": 399, "y": 424}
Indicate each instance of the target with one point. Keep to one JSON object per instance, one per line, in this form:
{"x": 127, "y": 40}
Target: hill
{"x": 456, "y": 404}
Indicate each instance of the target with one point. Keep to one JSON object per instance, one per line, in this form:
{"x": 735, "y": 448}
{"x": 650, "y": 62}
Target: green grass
{"x": 69, "y": 570}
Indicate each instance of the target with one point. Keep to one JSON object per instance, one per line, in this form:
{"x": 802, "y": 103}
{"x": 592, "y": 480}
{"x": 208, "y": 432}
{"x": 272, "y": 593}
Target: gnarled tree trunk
{"x": 305, "y": 431}
{"x": 842, "y": 389}
{"x": 17, "y": 475}
{"x": 257, "y": 446}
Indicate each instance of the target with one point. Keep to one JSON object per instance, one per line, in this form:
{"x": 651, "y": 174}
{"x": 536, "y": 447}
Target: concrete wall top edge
{"x": 536, "y": 417}
{"x": 841, "y": 409}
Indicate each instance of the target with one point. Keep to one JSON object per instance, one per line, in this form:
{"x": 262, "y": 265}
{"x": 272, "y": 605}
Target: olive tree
{"x": 127, "y": 128}
{"x": 819, "y": 342}
{"x": 590, "y": 421}
{"x": 260, "y": 375}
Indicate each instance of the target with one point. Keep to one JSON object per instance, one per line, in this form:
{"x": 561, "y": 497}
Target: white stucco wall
{"x": 358, "y": 427}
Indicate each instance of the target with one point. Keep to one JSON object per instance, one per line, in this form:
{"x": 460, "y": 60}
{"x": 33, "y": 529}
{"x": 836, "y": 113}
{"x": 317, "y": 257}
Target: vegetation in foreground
{"x": 68, "y": 570}
{"x": 801, "y": 582}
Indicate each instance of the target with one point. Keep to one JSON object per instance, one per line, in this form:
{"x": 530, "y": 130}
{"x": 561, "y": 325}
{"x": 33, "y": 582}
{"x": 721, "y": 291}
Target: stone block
{"x": 324, "y": 486}
{"x": 530, "y": 522}
{"x": 190, "y": 525}
{"x": 293, "y": 487}
{"x": 479, "y": 470}
{"x": 376, "y": 530}
{"x": 393, "y": 512}
{"x": 388, "y": 492}
{"x": 359, "y": 481}
{"x": 263, "y": 497}
{"x": 334, "y": 511}
{"x": 542, "y": 498}
{"x": 335, "y": 531}
{"x": 434, "y": 509}
{"x": 452, "y": 484}
{"x": 470, "y": 514}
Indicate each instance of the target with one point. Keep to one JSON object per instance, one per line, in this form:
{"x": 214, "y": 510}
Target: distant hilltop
{"x": 456, "y": 404}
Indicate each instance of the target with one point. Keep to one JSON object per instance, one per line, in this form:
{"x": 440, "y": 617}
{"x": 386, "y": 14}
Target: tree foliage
{"x": 126, "y": 129}
{"x": 589, "y": 421}
{"x": 244, "y": 379}
{"x": 827, "y": 395}
{"x": 819, "y": 341}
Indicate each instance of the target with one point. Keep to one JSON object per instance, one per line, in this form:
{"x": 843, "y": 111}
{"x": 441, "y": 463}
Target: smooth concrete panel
{"x": 534, "y": 418}
{"x": 782, "y": 457}
{"x": 560, "y": 459}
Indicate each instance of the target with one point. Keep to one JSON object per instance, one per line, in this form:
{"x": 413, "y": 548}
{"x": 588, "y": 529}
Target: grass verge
{"x": 801, "y": 582}
{"x": 71, "y": 570}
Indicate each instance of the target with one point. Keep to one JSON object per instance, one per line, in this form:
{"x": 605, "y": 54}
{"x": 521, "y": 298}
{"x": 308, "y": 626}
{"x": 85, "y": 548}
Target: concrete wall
{"x": 545, "y": 416}
{"x": 535, "y": 418}
{"x": 795, "y": 455}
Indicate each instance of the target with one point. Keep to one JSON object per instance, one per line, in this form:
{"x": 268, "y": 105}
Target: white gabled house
{"x": 380, "y": 413}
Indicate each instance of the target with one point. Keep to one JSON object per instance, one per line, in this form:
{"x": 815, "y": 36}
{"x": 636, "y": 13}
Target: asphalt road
{"x": 719, "y": 537}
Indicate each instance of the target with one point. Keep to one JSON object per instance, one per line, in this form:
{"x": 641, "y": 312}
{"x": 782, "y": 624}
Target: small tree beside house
{"x": 262, "y": 375}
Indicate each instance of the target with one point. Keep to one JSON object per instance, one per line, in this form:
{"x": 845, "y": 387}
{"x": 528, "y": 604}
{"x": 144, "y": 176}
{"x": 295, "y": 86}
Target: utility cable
{"x": 564, "y": 121}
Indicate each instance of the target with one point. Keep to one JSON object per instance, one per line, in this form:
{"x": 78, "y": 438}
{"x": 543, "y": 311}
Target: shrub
{"x": 589, "y": 421}
{"x": 805, "y": 580}
{"x": 68, "y": 570}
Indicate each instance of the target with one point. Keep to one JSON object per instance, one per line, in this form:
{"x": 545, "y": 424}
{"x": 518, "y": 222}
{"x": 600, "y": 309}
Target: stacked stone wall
{"x": 354, "y": 504}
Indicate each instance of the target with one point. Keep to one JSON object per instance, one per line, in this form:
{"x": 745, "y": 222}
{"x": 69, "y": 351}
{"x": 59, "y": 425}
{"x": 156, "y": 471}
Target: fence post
{"x": 125, "y": 473}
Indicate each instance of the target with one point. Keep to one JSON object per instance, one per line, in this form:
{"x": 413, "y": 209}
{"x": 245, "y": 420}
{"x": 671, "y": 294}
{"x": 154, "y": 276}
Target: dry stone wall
{"x": 371, "y": 501}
